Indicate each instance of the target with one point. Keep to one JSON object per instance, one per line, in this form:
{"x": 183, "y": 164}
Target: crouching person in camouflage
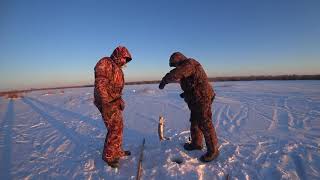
{"x": 199, "y": 95}
{"x": 108, "y": 85}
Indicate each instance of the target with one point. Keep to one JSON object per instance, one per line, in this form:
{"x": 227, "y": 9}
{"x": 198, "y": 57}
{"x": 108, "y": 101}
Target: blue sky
{"x": 46, "y": 43}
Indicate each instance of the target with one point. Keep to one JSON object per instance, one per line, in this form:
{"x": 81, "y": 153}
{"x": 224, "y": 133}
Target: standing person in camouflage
{"x": 108, "y": 85}
{"x": 199, "y": 95}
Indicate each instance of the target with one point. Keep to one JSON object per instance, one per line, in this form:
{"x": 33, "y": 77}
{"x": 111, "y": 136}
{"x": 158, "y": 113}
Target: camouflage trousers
{"x": 202, "y": 126}
{"x": 113, "y": 120}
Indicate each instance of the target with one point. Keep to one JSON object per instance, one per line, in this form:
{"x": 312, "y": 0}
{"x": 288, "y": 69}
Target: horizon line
{"x": 211, "y": 79}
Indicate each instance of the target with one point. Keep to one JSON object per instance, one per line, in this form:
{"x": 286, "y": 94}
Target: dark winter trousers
{"x": 201, "y": 124}
{"x": 112, "y": 117}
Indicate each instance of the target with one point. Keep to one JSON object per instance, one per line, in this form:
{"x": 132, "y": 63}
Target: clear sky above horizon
{"x": 54, "y": 43}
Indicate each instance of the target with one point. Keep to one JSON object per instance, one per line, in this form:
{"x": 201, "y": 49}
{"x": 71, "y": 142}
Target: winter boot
{"x": 212, "y": 149}
{"x": 211, "y": 142}
{"x": 114, "y": 163}
{"x": 196, "y": 137}
{"x": 209, "y": 156}
{"x": 191, "y": 147}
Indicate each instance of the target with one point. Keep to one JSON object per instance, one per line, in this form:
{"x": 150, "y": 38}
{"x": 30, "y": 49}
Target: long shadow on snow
{"x": 82, "y": 143}
{"x": 69, "y": 133}
{"x": 87, "y": 119}
{"x": 5, "y": 165}
{"x": 133, "y": 138}
{"x": 129, "y": 134}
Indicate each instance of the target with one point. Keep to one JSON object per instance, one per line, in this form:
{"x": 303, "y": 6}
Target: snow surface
{"x": 266, "y": 130}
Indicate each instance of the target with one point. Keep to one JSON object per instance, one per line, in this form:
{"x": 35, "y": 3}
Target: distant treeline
{"x": 246, "y": 78}
{"x": 15, "y": 93}
{"x": 257, "y": 78}
{"x": 230, "y": 78}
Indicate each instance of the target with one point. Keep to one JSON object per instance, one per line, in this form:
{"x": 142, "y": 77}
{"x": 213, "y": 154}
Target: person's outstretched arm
{"x": 184, "y": 70}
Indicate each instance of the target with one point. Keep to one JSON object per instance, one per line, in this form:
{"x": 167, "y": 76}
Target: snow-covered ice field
{"x": 266, "y": 130}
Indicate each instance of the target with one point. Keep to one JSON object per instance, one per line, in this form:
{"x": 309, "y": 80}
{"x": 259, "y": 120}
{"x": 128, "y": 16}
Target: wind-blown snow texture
{"x": 266, "y": 130}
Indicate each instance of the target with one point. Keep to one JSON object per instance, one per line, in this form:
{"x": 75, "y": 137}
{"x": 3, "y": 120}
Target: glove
{"x": 162, "y": 84}
{"x": 182, "y": 95}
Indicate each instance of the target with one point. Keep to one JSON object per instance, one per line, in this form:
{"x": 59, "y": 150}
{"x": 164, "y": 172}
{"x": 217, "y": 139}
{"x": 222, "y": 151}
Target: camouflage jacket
{"x": 109, "y": 78}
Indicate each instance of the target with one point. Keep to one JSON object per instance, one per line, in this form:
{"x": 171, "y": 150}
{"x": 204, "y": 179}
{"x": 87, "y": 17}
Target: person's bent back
{"x": 199, "y": 95}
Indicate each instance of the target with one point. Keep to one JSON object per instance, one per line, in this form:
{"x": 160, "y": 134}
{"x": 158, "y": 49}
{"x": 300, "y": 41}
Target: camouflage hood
{"x": 176, "y": 59}
{"x": 119, "y": 53}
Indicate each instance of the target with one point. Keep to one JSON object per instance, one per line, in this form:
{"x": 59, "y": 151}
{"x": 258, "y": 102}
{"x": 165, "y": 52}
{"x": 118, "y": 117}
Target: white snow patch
{"x": 266, "y": 130}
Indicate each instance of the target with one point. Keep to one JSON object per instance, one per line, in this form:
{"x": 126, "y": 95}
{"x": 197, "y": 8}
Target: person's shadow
{"x": 6, "y": 128}
{"x": 86, "y": 146}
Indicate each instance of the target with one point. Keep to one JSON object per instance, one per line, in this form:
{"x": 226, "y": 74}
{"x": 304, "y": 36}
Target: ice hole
{"x": 177, "y": 160}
